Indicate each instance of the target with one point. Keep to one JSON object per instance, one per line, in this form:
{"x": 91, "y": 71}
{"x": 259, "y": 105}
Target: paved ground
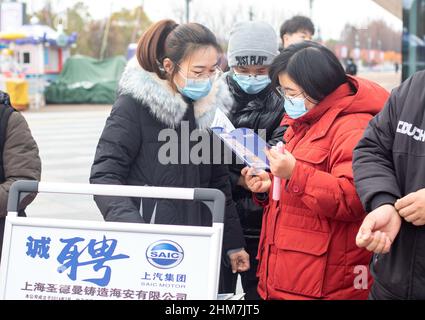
{"x": 67, "y": 137}
{"x": 389, "y": 80}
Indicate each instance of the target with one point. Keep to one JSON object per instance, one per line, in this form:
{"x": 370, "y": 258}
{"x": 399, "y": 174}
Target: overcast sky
{"x": 329, "y": 15}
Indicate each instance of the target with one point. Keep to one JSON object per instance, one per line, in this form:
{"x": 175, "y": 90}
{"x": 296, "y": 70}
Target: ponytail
{"x": 151, "y": 46}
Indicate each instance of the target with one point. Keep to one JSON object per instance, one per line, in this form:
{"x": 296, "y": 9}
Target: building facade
{"x": 413, "y": 37}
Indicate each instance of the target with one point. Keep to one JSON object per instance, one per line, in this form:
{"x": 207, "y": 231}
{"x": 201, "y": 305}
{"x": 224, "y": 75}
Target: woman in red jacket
{"x": 307, "y": 246}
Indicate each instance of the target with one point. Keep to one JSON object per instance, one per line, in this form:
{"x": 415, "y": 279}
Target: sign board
{"x": 12, "y": 16}
{"x": 50, "y": 259}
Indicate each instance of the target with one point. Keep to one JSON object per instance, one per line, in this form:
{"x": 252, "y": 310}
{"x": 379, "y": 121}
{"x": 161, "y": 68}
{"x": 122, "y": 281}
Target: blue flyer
{"x": 247, "y": 145}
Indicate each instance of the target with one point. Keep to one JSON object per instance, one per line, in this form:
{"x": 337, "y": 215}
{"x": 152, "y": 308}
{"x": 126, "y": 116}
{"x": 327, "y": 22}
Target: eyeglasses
{"x": 214, "y": 75}
{"x": 284, "y": 96}
{"x": 242, "y": 75}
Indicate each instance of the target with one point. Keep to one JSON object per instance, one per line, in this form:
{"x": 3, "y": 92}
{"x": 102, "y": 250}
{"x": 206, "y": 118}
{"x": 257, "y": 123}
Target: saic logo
{"x": 165, "y": 254}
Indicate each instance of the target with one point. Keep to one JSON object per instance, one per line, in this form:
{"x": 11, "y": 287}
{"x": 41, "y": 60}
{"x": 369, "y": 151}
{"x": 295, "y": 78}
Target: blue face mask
{"x": 196, "y": 89}
{"x": 296, "y": 109}
{"x": 252, "y": 85}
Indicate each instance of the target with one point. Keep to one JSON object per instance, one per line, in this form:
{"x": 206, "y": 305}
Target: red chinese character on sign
{"x": 27, "y": 287}
{"x": 115, "y": 293}
{"x": 181, "y": 296}
{"x": 77, "y": 290}
{"x": 65, "y": 289}
{"x": 167, "y": 296}
{"x": 102, "y": 292}
{"x": 89, "y": 291}
{"x": 154, "y": 295}
{"x": 51, "y": 288}
{"x": 128, "y": 294}
{"x": 141, "y": 295}
{"x": 39, "y": 287}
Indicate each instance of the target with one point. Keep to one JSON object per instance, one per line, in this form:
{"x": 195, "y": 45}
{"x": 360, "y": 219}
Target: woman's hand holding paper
{"x": 257, "y": 181}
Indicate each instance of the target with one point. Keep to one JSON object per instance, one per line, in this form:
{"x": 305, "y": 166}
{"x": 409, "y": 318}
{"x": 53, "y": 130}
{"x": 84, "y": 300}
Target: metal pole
{"x": 105, "y": 35}
{"x": 357, "y": 47}
{"x": 311, "y": 9}
{"x": 412, "y": 59}
{"x": 369, "y": 46}
{"x": 187, "y": 10}
{"x": 136, "y": 26}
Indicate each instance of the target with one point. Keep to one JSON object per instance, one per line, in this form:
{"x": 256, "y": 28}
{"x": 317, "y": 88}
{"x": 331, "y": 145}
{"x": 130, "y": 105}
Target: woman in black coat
{"x": 167, "y": 100}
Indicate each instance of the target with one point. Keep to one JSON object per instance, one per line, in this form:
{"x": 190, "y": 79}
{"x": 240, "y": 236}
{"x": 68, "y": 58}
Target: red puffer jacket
{"x": 307, "y": 246}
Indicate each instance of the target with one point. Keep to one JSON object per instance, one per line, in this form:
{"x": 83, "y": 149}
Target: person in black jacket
{"x": 170, "y": 93}
{"x": 296, "y": 30}
{"x": 252, "y": 48}
{"x": 389, "y": 173}
{"x": 351, "y": 67}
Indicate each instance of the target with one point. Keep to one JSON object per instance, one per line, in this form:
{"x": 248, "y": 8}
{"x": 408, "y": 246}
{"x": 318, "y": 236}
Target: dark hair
{"x": 167, "y": 39}
{"x": 312, "y": 66}
{"x": 296, "y": 24}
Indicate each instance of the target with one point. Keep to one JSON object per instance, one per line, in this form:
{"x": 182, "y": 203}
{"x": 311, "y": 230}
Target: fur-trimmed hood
{"x": 166, "y": 105}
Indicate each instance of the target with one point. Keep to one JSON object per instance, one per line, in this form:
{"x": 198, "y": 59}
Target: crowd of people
{"x": 351, "y": 180}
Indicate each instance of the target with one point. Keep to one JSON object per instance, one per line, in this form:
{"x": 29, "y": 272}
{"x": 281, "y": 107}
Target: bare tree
{"x": 376, "y": 34}
{"x": 274, "y": 16}
{"x": 220, "y": 22}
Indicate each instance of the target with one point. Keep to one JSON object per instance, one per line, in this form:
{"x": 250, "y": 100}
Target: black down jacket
{"x": 389, "y": 163}
{"x": 263, "y": 113}
{"x": 148, "y": 123}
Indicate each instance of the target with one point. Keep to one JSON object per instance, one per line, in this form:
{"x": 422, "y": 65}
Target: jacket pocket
{"x": 301, "y": 258}
{"x": 313, "y": 155}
